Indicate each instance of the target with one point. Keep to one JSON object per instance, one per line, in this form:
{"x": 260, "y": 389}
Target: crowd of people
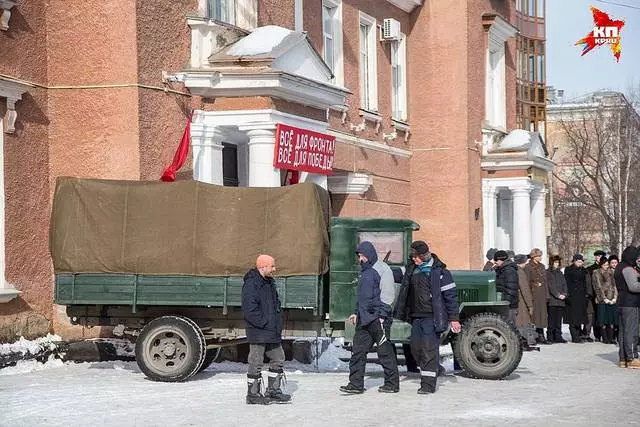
{"x": 600, "y": 302}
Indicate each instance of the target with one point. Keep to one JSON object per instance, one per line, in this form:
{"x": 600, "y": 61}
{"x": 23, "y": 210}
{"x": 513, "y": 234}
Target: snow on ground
{"x": 30, "y": 347}
{"x": 564, "y": 384}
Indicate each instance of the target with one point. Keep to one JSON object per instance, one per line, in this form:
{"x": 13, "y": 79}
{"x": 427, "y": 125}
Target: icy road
{"x": 564, "y": 384}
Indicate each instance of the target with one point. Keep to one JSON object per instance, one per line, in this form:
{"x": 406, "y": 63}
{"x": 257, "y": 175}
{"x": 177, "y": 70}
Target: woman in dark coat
{"x": 540, "y": 292}
{"x": 606, "y": 297}
{"x": 576, "y": 310}
{"x": 557, "y": 296}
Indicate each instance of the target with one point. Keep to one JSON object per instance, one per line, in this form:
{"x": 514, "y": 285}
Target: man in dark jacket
{"x": 575, "y": 314}
{"x": 372, "y": 319}
{"x": 592, "y": 306}
{"x": 627, "y": 280}
{"x": 263, "y": 315}
{"x": 427, "y": 300}
{"x": 507, "y": 282}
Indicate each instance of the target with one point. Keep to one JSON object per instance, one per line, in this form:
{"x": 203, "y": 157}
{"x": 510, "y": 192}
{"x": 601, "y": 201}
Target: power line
{"x": 619, "y": 4}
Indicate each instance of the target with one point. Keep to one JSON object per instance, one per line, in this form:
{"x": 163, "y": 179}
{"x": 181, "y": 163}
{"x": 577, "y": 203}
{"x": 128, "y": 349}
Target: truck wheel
{"x": 488, "y": 347}
{"x": 202, "y": 339}
{"x": 169, "y": 349}
{"x": 210, "y": 357}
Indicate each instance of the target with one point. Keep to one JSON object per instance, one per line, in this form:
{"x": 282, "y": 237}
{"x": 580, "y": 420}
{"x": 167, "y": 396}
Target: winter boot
{"x": 387, "y": 389}
{"x": 351, "y": 389}
{"x": 633, "y": 364}
{"x": 254, "y": 392}
{"x": 541, "y": 339}
{"x": 274, "y": 390}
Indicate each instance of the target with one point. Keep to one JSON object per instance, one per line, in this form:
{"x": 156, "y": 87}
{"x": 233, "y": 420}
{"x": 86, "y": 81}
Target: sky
{"x": 567, "y": 21}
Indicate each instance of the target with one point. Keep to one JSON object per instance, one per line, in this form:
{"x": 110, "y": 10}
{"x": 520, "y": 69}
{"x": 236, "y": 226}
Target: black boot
{"x": 274, "y": 390}
{"x": 541, "y": 339}
{"x": 426, "y": 387}
{"x": 254, "y": 392}
{"x": 604, "y": 334}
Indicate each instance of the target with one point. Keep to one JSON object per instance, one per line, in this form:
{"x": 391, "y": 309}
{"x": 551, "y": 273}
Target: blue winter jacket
{"x": 261, "y": 309}
{"x": 369, "y": 306}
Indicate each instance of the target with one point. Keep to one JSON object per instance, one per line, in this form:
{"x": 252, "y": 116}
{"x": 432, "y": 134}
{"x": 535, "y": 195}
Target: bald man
{"x": 263, "y": 315}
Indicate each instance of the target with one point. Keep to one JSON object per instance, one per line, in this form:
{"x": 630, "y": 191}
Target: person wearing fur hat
{"x": 606, "y": 298}
{"x": 576, "y": 310}
{"x": 490, "y": 265}
{"x": 262, "y": 313}
{"x": 591, "y": 306}
{"x": 540, "y": 291}
{"x": 507, "y": 282}
{"x": 427, "y": 299}
{"x": 557, "y": 299}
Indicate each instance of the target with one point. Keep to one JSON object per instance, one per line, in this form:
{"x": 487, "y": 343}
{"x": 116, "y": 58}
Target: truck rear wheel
{"x": 170, "y": 349}
{"x": 488, "y": 347}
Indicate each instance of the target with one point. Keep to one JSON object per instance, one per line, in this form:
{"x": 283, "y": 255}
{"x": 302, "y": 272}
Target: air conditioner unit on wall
{"x": 390, "y": 29}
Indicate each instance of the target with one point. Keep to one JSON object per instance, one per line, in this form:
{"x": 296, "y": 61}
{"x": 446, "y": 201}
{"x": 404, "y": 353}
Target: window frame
{"x": 227, "y": 10}
{"x": 336, "y": 36}
{"x": 368, "y": 89}
{"x": 370, "y": 235}
{"x": 399, "y": 83}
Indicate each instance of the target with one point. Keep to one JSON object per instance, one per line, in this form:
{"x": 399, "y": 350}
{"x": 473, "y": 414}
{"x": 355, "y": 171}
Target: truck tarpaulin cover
{"x": 187, "y": 228}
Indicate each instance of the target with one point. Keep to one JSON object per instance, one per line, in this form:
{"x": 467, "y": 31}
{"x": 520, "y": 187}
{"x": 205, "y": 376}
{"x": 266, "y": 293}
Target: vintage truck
{"x": 164, "y": 262}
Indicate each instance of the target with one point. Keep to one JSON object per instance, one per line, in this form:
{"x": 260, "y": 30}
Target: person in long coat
{"x": 576, "y": 311}
{"x": 539, "y": 289}
{"x": 606, "y": 298}
{"x": 557, "y": 296}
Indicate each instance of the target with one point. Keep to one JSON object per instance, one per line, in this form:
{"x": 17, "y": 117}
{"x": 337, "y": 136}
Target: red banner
{"x": 303, "y": 150}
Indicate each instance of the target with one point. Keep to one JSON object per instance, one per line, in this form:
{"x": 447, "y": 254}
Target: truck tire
{"x": 169, "y": 349}
{"x": 202, "y": 339}
{"x": 488, "y": 347}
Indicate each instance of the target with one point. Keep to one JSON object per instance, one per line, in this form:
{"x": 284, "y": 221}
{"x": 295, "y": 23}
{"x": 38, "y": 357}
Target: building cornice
{"x": 349, "y": 183}
{"x": 406, "y": 5}
{"x": 13, "y": 91}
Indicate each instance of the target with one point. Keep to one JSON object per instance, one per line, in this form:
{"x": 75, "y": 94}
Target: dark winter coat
{"x": 557, "y": 286}
{"x": 443, "y": 295}
{"x": 628, "y": 296}
{"x": 576, "y": 308}
{"x": 369, "y": 306}
{"x": 525, "y": 305}
{"x": 507, "y": 283}
{"x": 540, "y": 291}
{"x": 261, "y": 309}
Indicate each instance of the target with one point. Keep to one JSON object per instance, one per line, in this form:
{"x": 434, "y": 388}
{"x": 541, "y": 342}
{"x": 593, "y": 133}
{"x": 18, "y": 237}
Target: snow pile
{"x": 26, "y": 366}
{"x": 32, "y": 347}
{"x": 261, "y": 41}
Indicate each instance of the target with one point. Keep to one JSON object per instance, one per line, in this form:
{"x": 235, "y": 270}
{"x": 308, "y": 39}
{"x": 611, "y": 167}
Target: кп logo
{"x": 605, "y": 31}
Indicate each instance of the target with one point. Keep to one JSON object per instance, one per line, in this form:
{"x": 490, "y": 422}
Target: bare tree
{"x": 599, "y": 173}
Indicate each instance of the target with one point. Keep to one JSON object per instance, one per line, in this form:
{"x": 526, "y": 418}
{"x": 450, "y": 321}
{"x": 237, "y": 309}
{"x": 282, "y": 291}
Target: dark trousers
{"x": 274, "y": 353}
{"x": 554, "y": 331}
{"x": 363, "y": 340}
{"x": 575, "y": 333}
{"x": 628, "y": 332}
{"x": 425, "y": 346}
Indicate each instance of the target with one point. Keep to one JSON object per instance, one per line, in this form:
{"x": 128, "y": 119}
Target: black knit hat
{"x": 577, "y": 257}
{"x": 491, "y": 252}
{"x": 419, "y": 247}
{"x": 520, "y": 259}
{"x": 501, "y": 256}
{"x": 599, "y": 252}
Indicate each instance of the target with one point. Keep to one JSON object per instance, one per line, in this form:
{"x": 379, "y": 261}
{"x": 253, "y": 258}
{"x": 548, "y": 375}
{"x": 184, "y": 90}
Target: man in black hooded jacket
{"x": 372, "y": 319}
{"x": 507, "y": 282}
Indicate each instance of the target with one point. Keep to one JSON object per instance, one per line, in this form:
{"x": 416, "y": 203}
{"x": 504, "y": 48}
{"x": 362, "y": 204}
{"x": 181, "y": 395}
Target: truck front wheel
{"x": 170, "y": 349}
{"x": 488, "y": 347}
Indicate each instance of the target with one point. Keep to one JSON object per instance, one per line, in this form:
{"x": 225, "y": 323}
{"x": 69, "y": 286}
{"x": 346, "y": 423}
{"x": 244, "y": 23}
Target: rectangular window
{"x": 531, "y": 68}
{"x": 540, "y": 69}
{"x": 386, "y": 243}
{"x": 368, "y": 64}
{"x": 399, "y": 79}
{"x": 332, "y": 38}
{"x": 531, "y": 10}
{"x": 222, "y": 10}
{"x": 230, "y": 165}
{"x": 540, "y": 7}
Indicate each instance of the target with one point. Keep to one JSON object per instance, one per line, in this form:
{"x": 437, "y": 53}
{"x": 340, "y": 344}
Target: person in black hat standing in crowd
{"x": 507, "y": 282}
{"x": 576, "y": 277}
{"x": 427, "y": 300}
{"x": 592, "y": 305}
{"x": 557, "y": 297}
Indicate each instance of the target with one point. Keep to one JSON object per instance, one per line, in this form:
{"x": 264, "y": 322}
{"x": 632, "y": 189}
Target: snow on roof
{"x": 261, "y": 41}
{"x": 518, "y": 138}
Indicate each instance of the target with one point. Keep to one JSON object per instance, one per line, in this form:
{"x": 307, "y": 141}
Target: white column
{"x": 207, "y": 154}
{"x": 521, "y": 231}
{"x": 538, "y": 232}
{"x": 261, "y": 146}
{"x": 489, "y": 215}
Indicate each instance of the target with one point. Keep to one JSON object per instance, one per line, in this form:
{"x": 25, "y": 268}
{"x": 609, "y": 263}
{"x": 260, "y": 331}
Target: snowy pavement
{"x": 564, "y": 384}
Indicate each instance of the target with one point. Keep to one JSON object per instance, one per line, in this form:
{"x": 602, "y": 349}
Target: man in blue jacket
{"x": 263, "y": 315}
{"x": 427, "y": 300}
{"x": 373, "y": 325}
